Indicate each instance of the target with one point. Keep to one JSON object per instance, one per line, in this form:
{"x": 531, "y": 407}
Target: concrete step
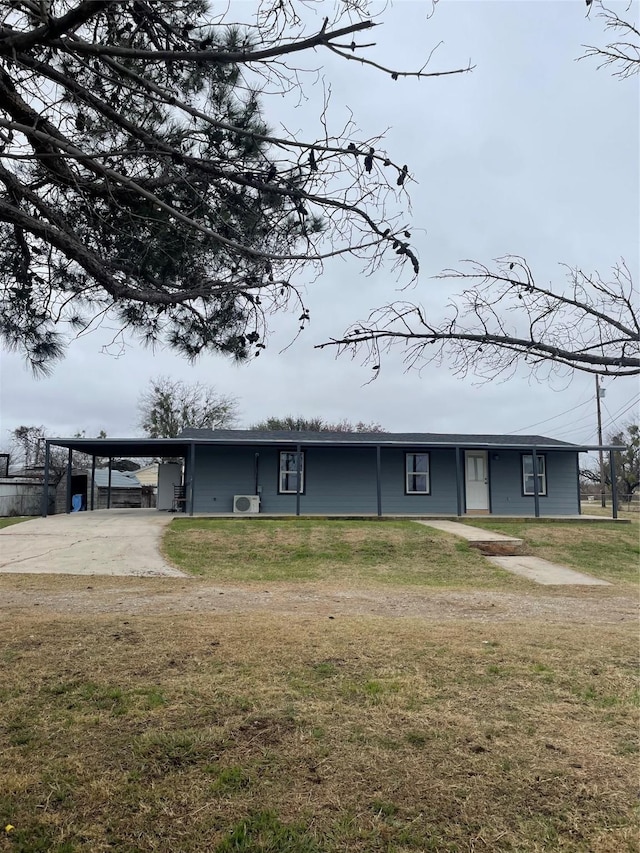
{"x": 486, "y": 541}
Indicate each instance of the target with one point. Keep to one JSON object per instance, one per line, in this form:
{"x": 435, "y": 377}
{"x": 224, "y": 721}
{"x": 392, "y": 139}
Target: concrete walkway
{"x": 104, "y": 542}
{"x": 546, "y": 573}
{"x": 503, "y": 551}
{"x": 487, "y": 541}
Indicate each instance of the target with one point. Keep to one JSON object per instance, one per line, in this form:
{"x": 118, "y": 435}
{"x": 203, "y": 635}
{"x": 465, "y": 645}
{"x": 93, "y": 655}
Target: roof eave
{"x": 153, "y": 446}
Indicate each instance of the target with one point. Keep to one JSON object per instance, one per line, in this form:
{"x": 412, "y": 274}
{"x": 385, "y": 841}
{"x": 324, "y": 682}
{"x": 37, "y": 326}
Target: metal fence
{"x": 596, "y": 504}
{"x": 22, "y": 498}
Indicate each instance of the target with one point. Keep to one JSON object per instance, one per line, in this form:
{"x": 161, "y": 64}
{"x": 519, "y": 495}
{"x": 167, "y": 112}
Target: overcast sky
{"x": 532, "y": 153}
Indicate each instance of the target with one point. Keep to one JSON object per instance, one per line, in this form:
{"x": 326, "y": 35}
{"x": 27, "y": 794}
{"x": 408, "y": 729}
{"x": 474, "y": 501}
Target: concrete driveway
{"x": 104, "y": 542}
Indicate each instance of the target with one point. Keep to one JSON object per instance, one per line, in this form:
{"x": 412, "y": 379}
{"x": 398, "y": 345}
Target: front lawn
{"x": 330, "y": 551}
{"x": 252, "y": 733}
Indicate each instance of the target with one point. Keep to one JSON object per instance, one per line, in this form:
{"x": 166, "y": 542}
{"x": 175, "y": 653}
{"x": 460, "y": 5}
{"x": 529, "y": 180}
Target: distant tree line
{"x": 165, "y": 409}
{"x": 627, "y": 465}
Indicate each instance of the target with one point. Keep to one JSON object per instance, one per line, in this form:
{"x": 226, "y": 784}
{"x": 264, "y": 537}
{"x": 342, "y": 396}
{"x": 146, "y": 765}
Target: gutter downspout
{"x": 458, "y": 481}
{"x": 109, "y": 487}
{"x": 256, "y": 472}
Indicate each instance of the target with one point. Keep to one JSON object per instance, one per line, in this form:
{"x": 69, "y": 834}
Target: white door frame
{"x": 476, "y": 481}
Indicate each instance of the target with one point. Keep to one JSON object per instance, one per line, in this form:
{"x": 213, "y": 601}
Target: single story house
{"x": 331, "y": 473}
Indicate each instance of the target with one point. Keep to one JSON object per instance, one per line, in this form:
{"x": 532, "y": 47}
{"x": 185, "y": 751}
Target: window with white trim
{"x": 288, "y": 480}
{"x": 527, "y": 474}
{"x": 417, "y": 474}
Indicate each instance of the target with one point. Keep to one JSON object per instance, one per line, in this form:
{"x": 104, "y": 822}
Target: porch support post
{"x": 536, "y": 491}
{"x": 192, "y": 476}
{"x": 44, "y": 508}
{"x": 578, "y": 483}
{"x": 93, "y": 479}
{"x": 379, "y": 479}
{"x": 69, "y": 464}
{"x": 614, "y": 493}
{"x": 109, "y": 487}
{"x": 458, "y": 453}
{"x": 298, "y": 470}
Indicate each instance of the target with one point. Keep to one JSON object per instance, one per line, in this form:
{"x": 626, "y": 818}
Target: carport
{"x": 114, "y": 448}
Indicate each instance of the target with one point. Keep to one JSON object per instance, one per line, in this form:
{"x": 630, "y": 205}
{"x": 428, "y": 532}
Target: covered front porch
{"x": 472, "y": 475}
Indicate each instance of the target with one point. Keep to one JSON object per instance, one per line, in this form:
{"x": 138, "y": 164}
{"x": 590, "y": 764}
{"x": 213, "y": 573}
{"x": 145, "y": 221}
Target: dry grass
{"x": 250, "y": 733}
{"x": 339, "y": 552}
{"x": 625, "y": 510}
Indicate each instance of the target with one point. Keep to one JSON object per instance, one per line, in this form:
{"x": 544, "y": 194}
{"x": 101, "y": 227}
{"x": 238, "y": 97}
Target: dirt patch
{"x": 153, "y": 597}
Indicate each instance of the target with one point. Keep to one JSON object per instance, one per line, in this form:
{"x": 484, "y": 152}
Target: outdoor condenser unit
{"x": 245, "y": 504}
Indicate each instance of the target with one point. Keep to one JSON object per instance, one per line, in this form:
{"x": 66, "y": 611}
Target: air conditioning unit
{"x": 246, "y": 504}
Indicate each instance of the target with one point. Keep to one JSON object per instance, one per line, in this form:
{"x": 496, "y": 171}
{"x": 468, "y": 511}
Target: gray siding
{"x": 337, "y": 480}
{"x": 342, "y": 480}
{"x": 505, "y": 477}
{"x": 442, "y": 466}
{"x": 221, "y": 473}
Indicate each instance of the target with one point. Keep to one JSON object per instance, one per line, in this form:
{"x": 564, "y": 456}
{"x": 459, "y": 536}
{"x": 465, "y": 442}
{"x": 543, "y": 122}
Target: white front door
{"x": 477, "y": 480}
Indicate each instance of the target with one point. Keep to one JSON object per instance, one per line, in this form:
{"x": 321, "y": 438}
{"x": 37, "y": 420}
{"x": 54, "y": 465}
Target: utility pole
{"x": 599, "y": 394}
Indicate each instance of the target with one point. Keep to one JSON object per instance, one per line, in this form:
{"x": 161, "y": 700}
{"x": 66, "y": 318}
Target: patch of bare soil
{"x": 154, "y": 597}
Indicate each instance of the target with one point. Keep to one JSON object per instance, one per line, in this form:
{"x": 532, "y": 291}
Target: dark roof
{"x": 179, "y": 447}
{"x": 255, "y": 436}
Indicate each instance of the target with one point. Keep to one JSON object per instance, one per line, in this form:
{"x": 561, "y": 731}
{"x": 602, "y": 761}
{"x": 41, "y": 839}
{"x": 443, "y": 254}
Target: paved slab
{"x": 546, "y": 573}
{"x": 104, "y": 542}
{"x": 477, "y": 536}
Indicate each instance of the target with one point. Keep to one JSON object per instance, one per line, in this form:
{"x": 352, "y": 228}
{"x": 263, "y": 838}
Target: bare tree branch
{"x": 622, "y": 54}
{"x": 139, "y": 180}
{"x": 506, "y": 318}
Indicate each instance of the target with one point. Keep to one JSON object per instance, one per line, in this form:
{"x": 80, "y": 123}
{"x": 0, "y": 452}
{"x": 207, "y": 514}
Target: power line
{"x": 579, "y": 406}
{"x": 586, "y": 436}
{"x": 612, "y": 418}
{"x": 570, "y": 426}
{"x": 621, "y": 413}
{"x": 574, "y": 423}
